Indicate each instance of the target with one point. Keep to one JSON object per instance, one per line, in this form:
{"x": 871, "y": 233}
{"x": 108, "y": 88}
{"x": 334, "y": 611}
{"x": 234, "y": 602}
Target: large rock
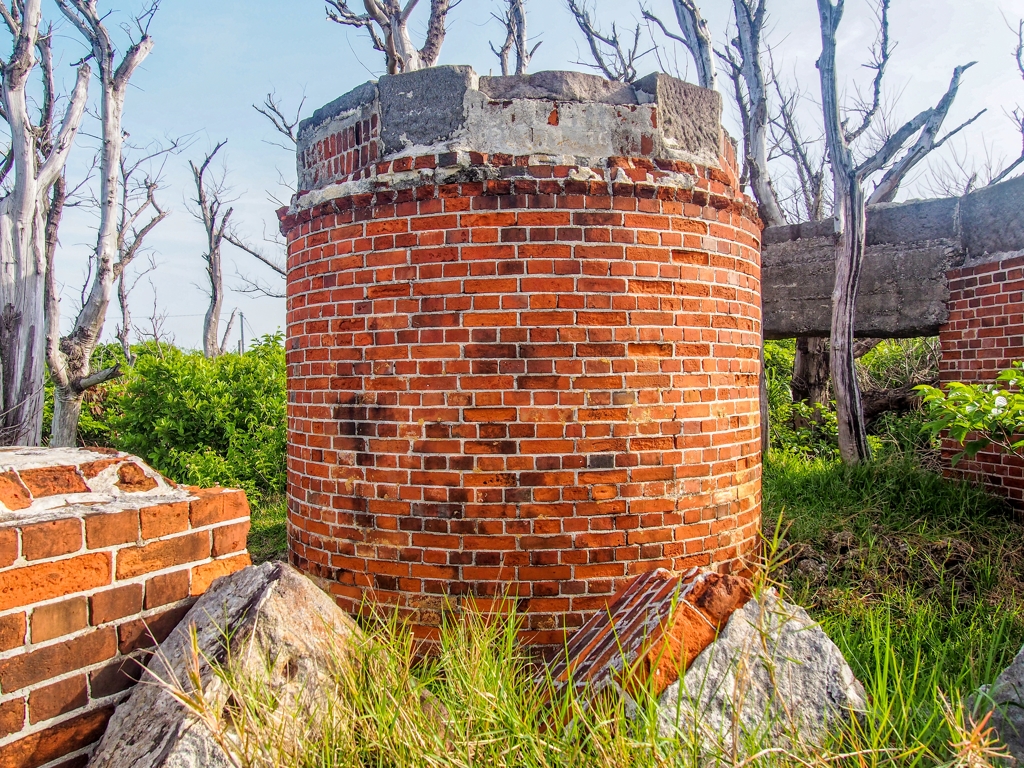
{"x": 1005, "y": 699}
{"x": 772, "y": 672}
{"x": 272, "y": 621}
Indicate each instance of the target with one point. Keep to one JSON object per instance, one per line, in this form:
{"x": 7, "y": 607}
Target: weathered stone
{"x": 1005, "y": 700}
{"x": 423, "y": 107}
{"x": 772, "y": 672}
{"x": 281, "y": 626}
{"x": 558, "y": 86}
{"x": 689, "y": 115}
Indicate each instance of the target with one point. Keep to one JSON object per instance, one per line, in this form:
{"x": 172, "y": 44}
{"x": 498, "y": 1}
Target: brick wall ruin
{"x": 950, "y": 267}
{"x": 522, "y": 344}
{"x": 100, "y": 557}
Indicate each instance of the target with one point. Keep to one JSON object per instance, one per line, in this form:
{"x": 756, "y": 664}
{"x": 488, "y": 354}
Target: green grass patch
{"x": 268, "y": 535}
{"x": 919, "y": 579}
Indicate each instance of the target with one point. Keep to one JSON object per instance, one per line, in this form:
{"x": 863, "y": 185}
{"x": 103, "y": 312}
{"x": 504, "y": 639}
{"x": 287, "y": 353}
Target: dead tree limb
{"x": 1018, "y": 113}
{"x": 210, "y": 210}
{"x": 849, "y": 179}
{"x": 387, "y": 23}
{"x": 514, "y": 22}
{"x": 614, "y": 60}
{"x": 696, "y": 37}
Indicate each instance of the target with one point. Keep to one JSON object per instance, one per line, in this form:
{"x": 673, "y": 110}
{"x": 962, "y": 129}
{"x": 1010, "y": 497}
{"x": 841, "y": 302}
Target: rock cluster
{"x": 270, "y": 620}
{"x": 772, "y": 674}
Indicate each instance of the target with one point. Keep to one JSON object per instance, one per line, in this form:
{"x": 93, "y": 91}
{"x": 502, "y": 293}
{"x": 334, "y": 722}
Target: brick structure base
{"x": 100, "y": 557}
{"x": 985, "y": 335}
{"x": 540, "y": 385}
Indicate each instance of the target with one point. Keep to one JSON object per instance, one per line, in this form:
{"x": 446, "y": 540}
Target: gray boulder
{"x": 271, "y": 621}
{"x": 1005, "y": 699}
{"x": 772, "y": 677}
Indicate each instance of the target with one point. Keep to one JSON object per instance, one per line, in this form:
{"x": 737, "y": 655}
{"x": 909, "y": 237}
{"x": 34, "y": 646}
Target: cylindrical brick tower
{"x": 523, "y": 332}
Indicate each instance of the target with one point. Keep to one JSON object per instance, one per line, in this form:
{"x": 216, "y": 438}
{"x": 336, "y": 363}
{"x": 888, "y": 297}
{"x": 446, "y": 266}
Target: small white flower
{"x": 1001, "y": 402}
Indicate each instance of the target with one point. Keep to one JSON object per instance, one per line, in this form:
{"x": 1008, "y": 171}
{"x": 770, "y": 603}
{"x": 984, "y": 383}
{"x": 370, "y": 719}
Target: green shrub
{"x": 203, "y": 421}
{"x": 979, "y": 415}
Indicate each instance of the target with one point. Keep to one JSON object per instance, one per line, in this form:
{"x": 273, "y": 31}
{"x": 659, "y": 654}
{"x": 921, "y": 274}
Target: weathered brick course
{"x": 76, "y": 624}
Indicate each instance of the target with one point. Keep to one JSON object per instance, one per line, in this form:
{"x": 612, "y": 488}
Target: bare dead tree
{"x": 514, "y": 21}
{"x": 615, "y": 60}
{"x": 387, "y": 23}
{"x": 36, "y": 157}
{"x": 125, "y": 287}
{"x": 696, "y": 37}
{"x": 69, "y": 356}
{"x": 210, "y": 210}
{"x": 284, "y": 123}
{"x": 254, "y": 285}
{"x": 849, "y": 178}
{"x": 1017, "y": 115}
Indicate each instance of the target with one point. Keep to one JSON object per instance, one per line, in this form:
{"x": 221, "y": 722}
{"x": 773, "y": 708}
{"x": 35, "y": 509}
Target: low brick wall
{"x": 100, "y": 557}
{"x": 984, "y": 335}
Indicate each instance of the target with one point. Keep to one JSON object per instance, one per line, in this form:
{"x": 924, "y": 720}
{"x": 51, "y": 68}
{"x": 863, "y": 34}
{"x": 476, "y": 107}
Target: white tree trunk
{"x": 70, "y": 359}
{"x": 22, "y": 324}
{"x": 853, "y": 438}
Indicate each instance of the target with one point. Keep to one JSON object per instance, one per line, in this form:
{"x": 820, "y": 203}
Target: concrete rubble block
{"x": 424, "y": 107}
{"x": 690, "y": 117}
{"x": 773, "y": 675}
{"x": 653, "y": 628}
{"x": 272, "y": 621}
{"x": 558, "y": 86}
{"x": 1005, "y": 700}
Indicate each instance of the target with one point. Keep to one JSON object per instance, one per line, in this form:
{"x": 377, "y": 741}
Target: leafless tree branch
{"x": 614, "y": 60}
{"x": 386, "y": 21}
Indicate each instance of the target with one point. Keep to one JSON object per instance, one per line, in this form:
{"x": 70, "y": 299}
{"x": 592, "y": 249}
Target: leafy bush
{"x": 897, "y": 363}
{"x": 795, "y": 427}
{"x": 979, "y": 415}
{"x": 207, "y": 421}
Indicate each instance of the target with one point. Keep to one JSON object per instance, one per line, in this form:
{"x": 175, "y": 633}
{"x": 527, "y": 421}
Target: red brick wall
{"x": 535, "y": 384}
{"x": 984, "y": 335}
{"x": 85, "y": 594}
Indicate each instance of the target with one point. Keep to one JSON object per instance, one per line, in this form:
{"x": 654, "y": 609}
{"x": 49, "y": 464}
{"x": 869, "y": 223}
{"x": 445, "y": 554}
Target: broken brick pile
{"x": 651, "y": 632}
{"x": 100, "y": 557}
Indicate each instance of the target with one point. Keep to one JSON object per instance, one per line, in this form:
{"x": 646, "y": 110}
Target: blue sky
{"x": 214, "y": 58}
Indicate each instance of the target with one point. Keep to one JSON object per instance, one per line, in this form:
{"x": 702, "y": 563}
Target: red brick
{"x": 58, "y": 619}
{"x": 164, "y": 519}
{"x": 57, "y": 659}
{"x": 167, "y": 588}
{"x": 8, "y": 546}
{"x": 108, "y": 529}
{"x": 217, "y": 505}
{"x": 46, "y": 581}
{"x": 57, "y": 699}
{"x": 13, "y": 492}
{"x": 90, "y": 469}
{"x": 12, "y": 631}
{"x": 51, "y": 539}
{"x": 204, "y": 575}
{"x": 165, "y": 553}
{"x": 116, "y": 603}
{"x": 62, "y": 739}
{"x": 53, "y": 481}
{"x": 131, "y": 479}
{"x": 12, "y": 717}
{"x": 230, "y": 538}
